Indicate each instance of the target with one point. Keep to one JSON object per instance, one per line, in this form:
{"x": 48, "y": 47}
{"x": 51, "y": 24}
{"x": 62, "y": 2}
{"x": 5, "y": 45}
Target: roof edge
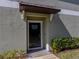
{"x": 50, "y": 9}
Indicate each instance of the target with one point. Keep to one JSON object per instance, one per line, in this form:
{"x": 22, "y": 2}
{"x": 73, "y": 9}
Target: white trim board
{"x": 41, "y": 23}
{"x": 69, "y": 12}
{"x": 8, "y": 3}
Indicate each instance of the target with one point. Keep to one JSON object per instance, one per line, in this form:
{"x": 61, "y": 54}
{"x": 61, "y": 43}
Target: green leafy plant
{"x": 55, "y": 44}
{"x": 58, "y": 44}
{"x": 76, "y": 39}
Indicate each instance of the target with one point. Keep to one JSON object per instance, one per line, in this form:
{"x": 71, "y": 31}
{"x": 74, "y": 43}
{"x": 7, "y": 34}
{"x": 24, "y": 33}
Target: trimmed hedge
{"x": 58, "y": 44}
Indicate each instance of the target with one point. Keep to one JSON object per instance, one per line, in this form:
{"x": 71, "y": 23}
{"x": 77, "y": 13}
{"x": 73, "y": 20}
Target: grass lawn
{"x": 69, "y": 54}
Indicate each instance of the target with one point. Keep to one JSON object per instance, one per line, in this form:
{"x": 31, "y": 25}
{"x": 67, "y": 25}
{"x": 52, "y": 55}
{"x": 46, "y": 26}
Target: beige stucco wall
{"x": 64, "y": 25}
{"x": 12, "y": 29}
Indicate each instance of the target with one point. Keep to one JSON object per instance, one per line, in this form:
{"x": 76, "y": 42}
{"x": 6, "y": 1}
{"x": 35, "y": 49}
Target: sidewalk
{"x": 42, "y": 55}
{"x": 51, "y": 56}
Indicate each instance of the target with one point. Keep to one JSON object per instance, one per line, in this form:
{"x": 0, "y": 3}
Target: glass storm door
{"x": 35, "y": 35}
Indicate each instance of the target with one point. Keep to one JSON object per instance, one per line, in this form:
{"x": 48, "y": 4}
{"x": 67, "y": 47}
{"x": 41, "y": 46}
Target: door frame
{"x": 41, "y": 30}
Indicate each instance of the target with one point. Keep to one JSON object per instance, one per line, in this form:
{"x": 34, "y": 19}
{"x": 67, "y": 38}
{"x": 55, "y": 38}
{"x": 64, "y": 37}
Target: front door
{"x": 35, "y": 35}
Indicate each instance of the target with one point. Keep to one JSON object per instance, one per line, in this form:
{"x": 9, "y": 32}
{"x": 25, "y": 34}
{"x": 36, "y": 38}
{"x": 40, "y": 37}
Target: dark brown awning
{"x": 38, "y": 9}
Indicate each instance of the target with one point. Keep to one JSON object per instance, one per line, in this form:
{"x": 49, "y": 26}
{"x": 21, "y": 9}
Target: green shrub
{"x": 76, "y": 39}
{"x": 58, "y": 44}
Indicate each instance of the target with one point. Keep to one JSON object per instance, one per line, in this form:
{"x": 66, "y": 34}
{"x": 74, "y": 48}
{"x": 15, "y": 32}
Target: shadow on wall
{"x": 57, "y": 28}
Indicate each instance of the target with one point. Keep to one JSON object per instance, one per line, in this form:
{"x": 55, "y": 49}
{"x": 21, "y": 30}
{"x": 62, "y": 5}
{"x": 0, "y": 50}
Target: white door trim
{"x": 34, "y": 21}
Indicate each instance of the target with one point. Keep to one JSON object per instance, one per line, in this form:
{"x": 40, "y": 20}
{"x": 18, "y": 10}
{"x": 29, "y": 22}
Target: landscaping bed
{"x": 13, "y": 54}
{"x": 69, "y": 54}
{"x": 65, "y": 47}
{"x": 64, "y": 43}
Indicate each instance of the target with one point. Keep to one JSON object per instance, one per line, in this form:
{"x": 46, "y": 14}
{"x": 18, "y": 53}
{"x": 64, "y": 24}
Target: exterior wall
{"x": 71, "y": 23}
{"x": 8, "y": 3}
{"x": 66, "y": 5}
{"x": 12, "y": 29}
{"x": 64, "y": 26}
{"x": 71, "y": 1}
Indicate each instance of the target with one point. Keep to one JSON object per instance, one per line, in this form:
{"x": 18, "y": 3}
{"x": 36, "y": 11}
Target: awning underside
{"x": 38, "y": 9}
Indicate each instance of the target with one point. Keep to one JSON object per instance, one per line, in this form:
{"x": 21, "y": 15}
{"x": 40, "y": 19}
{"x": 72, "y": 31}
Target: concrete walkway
{"x": 51, "y": 56}
{"x": 43, "y": 54}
